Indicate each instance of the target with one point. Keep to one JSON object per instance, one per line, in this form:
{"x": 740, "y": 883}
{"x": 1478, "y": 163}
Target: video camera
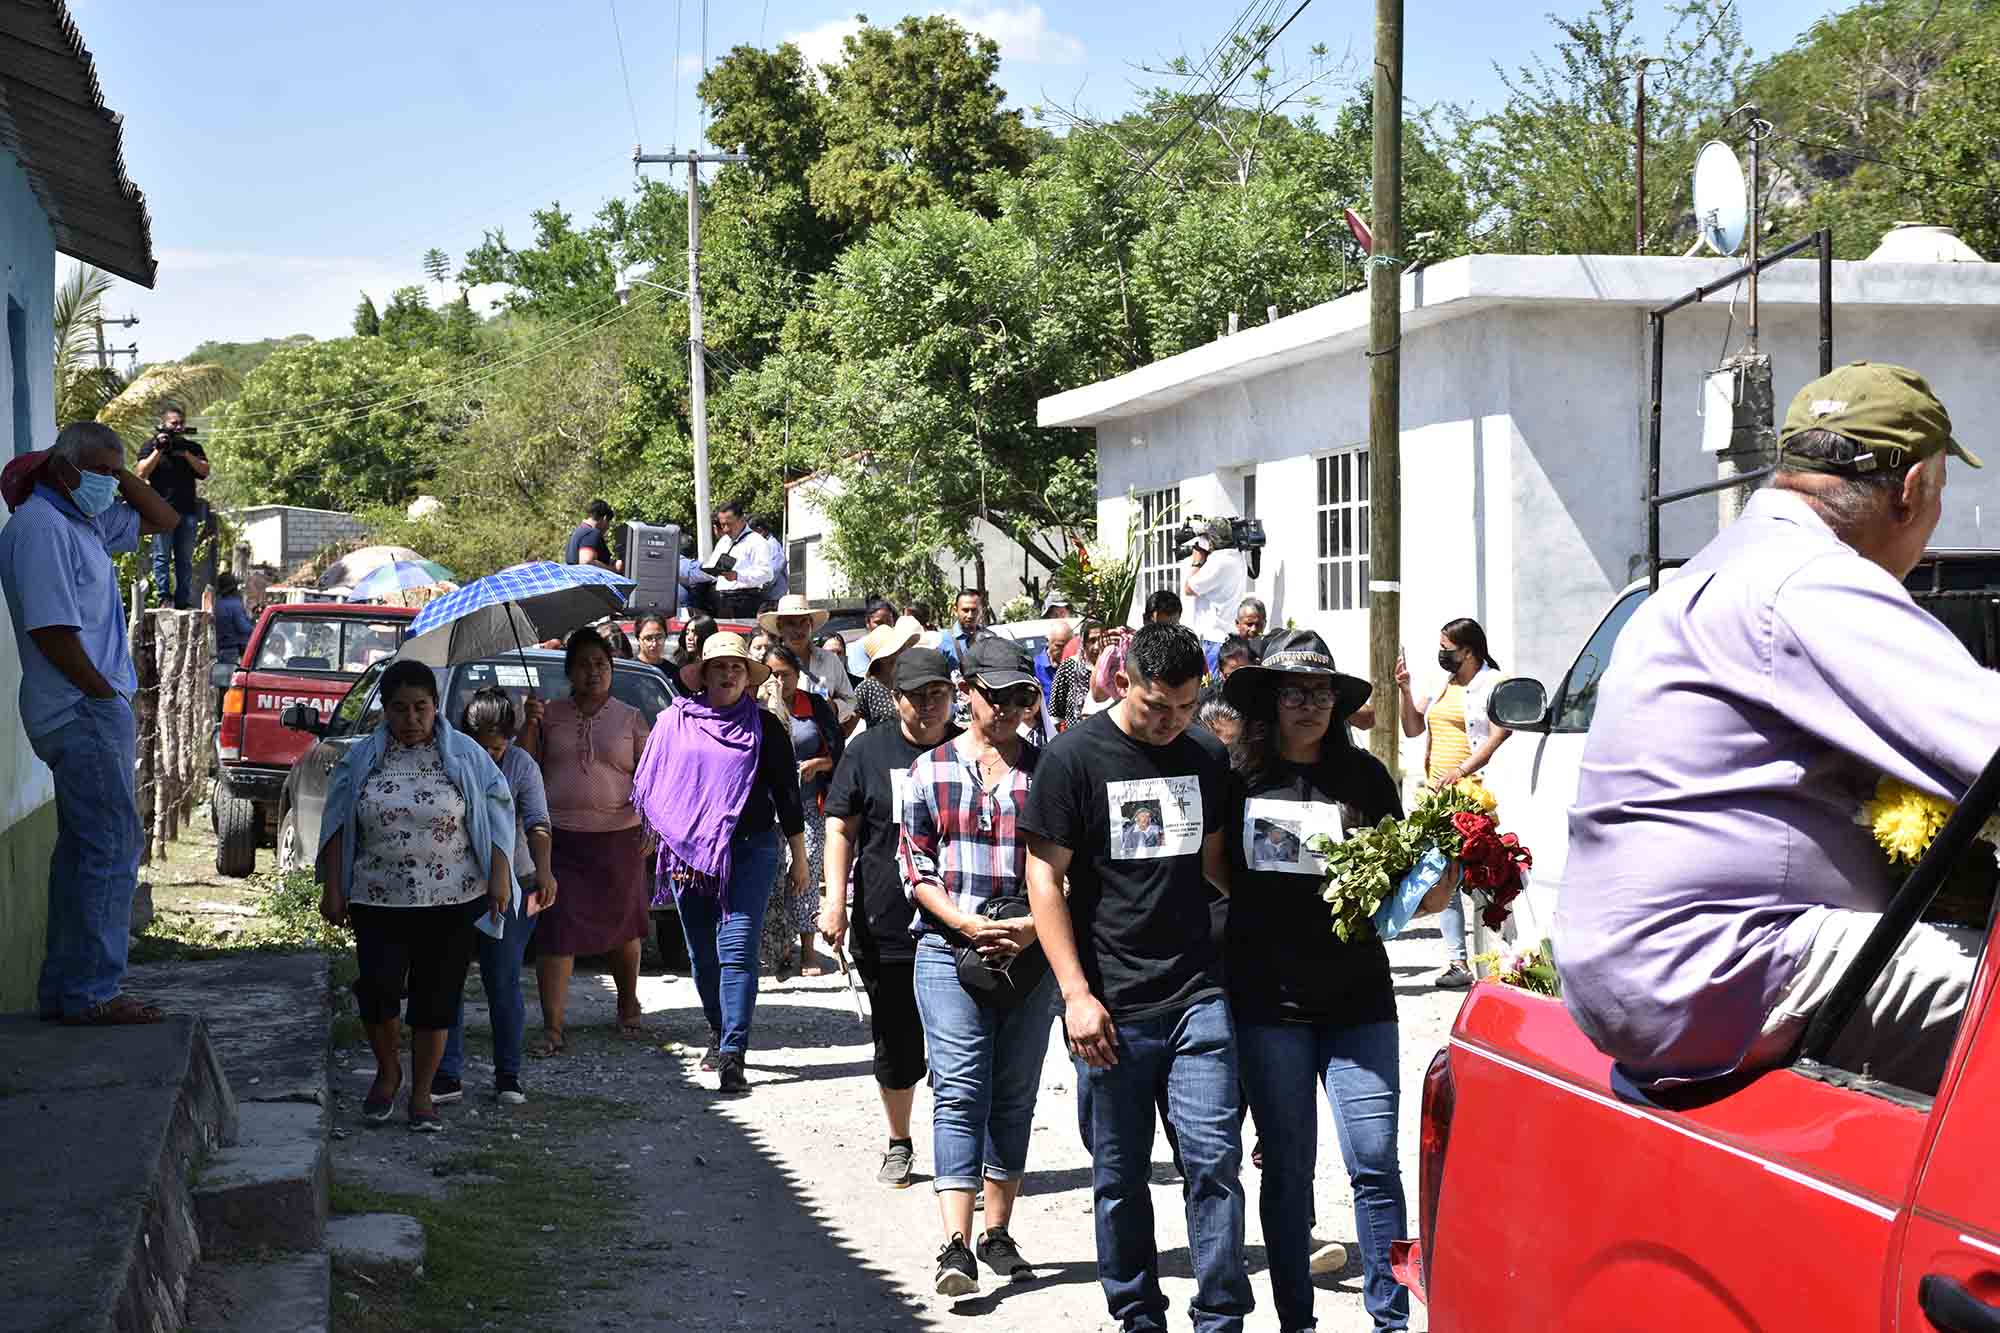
{"x": 1225, "y": 534}
{"x": 167, "y": 435}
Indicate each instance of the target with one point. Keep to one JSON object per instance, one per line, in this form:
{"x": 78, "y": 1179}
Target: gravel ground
{"x": 763, "y": 1212}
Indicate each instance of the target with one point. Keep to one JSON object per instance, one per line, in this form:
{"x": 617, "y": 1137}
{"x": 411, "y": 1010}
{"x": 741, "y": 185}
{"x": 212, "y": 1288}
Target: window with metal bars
{"x": 1159, "y": 518}
{"x": 1343, "y": 530}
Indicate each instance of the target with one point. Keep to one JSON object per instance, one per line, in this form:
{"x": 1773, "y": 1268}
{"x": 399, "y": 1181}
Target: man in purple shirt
{"x": 1718, "y": 882}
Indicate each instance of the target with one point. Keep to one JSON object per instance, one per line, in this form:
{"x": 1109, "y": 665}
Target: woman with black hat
{"x": 1308, "y": 1006}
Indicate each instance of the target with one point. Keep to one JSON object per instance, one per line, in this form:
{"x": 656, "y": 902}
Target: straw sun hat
{"x": 723, "y": 645}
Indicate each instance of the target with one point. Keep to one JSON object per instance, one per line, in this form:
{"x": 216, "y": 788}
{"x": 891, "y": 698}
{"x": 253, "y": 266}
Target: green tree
{"x": 461, "y": 327}
{"x": 1551, "y": 170}
{"x": 914, "y": 118}
{"x": 409, "y": 323}
{"x": 343, "y": 424}
{"x": 568, "y": 273}
{"x": 367, "y": 320}
{"x": 86, "y": 391}
{"x": 438, "y": 265}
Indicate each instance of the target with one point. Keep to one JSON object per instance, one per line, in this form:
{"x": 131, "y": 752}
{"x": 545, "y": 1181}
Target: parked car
{"x": 1805, "y": 1196}
{"x": 300, "y": 652}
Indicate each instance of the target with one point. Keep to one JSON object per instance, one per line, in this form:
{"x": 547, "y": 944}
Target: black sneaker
{"x": 445, "y": 1089}
{"x": 732, "y": 1083}
{"x": 999, "y": 1253}
{"x": 957, "y": 1275}
{"x": 896, "y": 1164}
{"x": 711, "y": 1059}
{"x": 507, "y": 1087}
{"x": 1455, "y": 977}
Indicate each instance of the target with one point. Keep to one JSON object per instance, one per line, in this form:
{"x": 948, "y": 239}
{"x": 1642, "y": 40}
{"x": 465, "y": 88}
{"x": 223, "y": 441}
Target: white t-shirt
{"x": 1219, "y": 588}
{"x": 1478, "y": 690}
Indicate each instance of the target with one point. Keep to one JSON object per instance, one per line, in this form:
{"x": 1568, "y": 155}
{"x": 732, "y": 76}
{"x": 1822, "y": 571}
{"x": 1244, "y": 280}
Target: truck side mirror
{"x": 302, "y": 717}
{"x": 1519, "y": 703}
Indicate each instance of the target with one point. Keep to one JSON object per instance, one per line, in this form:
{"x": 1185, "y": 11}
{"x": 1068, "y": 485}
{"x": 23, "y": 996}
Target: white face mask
{"x": 93, "y": 492}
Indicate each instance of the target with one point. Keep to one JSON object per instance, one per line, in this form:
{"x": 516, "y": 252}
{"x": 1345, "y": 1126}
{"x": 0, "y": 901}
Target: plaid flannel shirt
{"x": 960, "y": 836}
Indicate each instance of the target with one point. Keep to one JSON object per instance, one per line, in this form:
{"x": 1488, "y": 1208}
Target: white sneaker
{"x": 1328, "y": 1256}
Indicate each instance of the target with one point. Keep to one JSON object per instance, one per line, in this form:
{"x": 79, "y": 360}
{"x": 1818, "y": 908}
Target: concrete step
{"x": 377, "y": 1245}
{"x": 290, "y": 1293}
{"x": 267, "y": 1191}
{"x": 103, "y": 1127}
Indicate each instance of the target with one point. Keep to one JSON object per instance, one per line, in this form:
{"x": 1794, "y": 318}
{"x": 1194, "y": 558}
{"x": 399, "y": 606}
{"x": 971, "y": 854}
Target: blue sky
{"x": 297, "y": 154}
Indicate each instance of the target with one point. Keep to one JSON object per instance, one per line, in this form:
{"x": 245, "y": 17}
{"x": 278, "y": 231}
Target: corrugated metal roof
{"x": 54, "y": 121}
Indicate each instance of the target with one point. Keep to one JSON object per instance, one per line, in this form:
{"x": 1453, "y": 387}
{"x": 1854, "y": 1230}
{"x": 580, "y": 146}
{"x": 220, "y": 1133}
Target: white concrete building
{"x": 281, "y": 536}
{"x": 1008, "y": 566}
{"x": 1524, "y": 393}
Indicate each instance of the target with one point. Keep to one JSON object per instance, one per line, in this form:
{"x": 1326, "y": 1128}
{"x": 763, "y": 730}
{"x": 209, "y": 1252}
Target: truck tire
{"x": 237, "y": 825}
{"x": 288, "y": 843}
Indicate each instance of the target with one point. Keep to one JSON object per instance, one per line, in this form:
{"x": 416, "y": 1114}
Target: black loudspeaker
{"x": 653, "y": 558}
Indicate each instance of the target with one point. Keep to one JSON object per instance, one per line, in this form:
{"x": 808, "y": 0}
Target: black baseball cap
{"x": 995, "y": 663}
{"x": 918, "y": 667}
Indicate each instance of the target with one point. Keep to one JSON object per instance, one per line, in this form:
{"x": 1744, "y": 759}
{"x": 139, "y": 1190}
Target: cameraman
{"x": 1215, "y": 585}
{"x": 172, "y": 462}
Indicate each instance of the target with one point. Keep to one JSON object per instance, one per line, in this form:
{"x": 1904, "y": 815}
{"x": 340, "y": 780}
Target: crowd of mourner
{"x": 1099, "y": 837}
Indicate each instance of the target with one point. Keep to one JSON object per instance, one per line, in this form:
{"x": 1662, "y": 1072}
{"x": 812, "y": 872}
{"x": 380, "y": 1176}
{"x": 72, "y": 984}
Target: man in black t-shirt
{"x": 1134, "y": 954}
{"x": 589, "y": 545}
{"x": 175, "y": 465}
{"x": 864, "y": 815}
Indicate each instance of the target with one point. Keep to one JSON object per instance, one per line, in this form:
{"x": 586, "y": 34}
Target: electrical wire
{"x": 1982, "y": 183}
{"x": 625, "y": 72}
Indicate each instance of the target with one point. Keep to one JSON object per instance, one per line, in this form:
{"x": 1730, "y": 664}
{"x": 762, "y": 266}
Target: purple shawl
{"x": 691, "y": 786}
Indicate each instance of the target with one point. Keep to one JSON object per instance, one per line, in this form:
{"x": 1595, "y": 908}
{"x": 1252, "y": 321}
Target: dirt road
{"x": 763, "y": 1213}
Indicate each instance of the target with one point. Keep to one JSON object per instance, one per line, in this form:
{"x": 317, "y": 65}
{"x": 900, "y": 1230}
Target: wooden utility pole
{"x": 1385, "y": 425}
{"x": 697, "y": 352}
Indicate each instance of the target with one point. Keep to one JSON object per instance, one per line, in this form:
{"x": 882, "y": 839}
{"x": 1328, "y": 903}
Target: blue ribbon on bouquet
{"x": 1396, "y": 910}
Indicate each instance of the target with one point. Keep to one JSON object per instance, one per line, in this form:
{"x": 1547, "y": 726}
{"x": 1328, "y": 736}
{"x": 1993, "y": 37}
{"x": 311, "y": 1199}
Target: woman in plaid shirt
{"x": 961, "y": 847}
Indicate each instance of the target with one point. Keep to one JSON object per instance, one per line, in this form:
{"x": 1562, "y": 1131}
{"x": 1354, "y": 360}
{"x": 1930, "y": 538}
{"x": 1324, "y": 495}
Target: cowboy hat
{"x": 723, "y": 645}
{"x": 1288, "y": 656}
{"x": 885, "y": 640}
{"x": 792, "y": 604}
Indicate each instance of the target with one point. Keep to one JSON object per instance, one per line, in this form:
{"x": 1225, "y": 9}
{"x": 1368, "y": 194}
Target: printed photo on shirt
{"x": 899, "y": 792}
{"x": 1276, "y": 834}
{"x": 1154, "y": 817}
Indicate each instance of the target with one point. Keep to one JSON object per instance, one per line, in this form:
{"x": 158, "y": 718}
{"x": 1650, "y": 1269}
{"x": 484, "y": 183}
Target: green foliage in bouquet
{"x": 1365, "y": 869}
{"x": 1098, "y": 585}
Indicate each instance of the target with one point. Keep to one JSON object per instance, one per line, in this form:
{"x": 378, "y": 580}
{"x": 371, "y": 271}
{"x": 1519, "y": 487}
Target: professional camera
{"x": 1225, "y": 534}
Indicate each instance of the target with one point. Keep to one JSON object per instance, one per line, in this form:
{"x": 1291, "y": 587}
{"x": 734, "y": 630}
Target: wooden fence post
{"x": 146, "y": 713}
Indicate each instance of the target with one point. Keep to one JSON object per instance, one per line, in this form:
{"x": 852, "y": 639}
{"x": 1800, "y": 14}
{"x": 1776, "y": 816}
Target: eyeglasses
{"x": 1297, "y": 696}
{"x": 1013, "y": 697}
{"x": 652, "y": 638}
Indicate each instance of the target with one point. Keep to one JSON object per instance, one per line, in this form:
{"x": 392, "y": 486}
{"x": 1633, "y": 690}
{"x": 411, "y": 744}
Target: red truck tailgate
{"x": 307, "y": 654}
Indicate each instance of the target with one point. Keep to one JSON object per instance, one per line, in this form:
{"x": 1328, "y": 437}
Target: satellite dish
{"x": 1721, "y": 205}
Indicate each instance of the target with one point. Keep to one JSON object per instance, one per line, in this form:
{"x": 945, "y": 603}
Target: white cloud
{"x": 1022, "y": 31}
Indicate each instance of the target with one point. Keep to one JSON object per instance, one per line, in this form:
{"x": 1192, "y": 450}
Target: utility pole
{"x": 105, "y": 353}
{"x": 1753, "y": 436}
{"x": 1639, "y": 162}
{"x": 697, "y": 352}
{"x": 1385, "y": 333}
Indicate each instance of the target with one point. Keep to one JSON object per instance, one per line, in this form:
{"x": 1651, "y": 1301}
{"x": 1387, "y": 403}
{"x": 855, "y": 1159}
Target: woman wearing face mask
{"x": 1460, "y": 742}
{"x": 417, "y": 844}
{"x": 716, "y": 785}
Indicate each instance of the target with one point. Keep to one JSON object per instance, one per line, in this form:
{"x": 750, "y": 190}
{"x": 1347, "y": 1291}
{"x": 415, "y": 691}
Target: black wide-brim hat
{"x": 1288, "y": 656}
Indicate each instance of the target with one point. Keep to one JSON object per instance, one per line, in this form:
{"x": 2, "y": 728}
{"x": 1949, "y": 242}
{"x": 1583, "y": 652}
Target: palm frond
{"x": 139, "y": 404}
{"x": 82, "y": 389}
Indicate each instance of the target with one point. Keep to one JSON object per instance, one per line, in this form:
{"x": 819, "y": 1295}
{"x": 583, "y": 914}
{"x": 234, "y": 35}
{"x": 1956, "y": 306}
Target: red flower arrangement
{"x": 1491, "y": 862}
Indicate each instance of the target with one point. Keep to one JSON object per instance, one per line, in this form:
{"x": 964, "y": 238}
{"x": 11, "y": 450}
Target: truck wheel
{"x": 237, "y": 825}
{"x": 672, "y": 944}
{"x": 288, "y": 842}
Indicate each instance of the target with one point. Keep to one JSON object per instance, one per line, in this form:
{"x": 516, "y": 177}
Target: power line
{"x": 625, "y": 72}
{"x": 1982, "y": 183}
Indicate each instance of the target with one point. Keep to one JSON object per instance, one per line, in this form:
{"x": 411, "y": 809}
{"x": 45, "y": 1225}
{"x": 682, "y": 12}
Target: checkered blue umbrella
{"x": 518, "y": 606}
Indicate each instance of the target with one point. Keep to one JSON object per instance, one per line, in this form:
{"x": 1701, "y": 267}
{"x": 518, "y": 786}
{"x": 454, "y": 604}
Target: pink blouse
{"x": 588, "y": 762}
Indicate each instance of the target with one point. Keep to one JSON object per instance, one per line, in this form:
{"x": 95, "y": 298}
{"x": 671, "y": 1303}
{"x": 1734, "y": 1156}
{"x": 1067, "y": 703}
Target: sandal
{"x": 118, "y": 1011}
{"x": 784, "y": 971}
{"x": 815, "y": 970}
{"x": 631, "y": 1027}
{"x": 552, "y": 1044}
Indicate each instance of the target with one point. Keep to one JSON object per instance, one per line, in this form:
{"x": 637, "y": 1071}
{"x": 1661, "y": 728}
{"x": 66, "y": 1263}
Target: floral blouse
{"x": 412, "y": 846}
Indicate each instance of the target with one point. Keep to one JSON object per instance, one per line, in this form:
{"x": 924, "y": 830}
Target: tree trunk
{"x": 166, "y": 803}
{"x": 199, "y": 699}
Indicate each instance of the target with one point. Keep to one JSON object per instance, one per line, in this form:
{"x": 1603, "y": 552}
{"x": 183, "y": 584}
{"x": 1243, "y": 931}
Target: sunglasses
{"x": 1013, "y": 697}
{"x": 1295, "y": 696}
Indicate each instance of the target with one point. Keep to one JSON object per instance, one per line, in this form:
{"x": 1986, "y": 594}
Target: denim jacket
{"x": 489, "y": 801}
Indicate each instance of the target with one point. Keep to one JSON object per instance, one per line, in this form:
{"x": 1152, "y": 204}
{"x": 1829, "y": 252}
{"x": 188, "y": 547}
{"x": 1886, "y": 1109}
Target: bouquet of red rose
{"x": 1381, "y": 877}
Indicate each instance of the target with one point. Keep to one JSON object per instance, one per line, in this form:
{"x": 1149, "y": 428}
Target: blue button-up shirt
{"x": 55, "y": 570}
{"x": 1752, "y": 705}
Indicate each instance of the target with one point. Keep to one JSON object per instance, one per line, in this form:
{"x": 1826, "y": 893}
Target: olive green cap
{"x": 1889, "y": 412}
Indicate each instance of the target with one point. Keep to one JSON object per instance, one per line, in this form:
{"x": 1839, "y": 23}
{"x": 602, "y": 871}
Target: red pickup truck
{"x": 1555, "y": 1194}
{"x": 299, "y": 653}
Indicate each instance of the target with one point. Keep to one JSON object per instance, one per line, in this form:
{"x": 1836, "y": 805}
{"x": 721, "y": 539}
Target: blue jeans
{"x": 722, "y": 948}
{"x": 1193, "y": 1056}
{"x": 500, "y": 975}
{"x": 1357, "y": 1068}
{"x": 95, "y": 867}
{"x": 174, "y": 552}
{"x": 986, "y": 1067}
{"x": 1452, "y": 922}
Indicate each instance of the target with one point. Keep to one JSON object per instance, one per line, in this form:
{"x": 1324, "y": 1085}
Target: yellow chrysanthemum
{"x": 1904, "y": 820}
{"x": 1478, "y": 793}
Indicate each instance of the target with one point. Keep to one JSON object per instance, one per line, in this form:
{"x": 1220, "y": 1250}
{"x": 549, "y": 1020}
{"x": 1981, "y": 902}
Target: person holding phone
{"x": 417, "y": 844}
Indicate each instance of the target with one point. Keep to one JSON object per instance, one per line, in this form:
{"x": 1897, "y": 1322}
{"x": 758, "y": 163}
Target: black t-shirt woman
{"x": 1309, "y": 1007}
